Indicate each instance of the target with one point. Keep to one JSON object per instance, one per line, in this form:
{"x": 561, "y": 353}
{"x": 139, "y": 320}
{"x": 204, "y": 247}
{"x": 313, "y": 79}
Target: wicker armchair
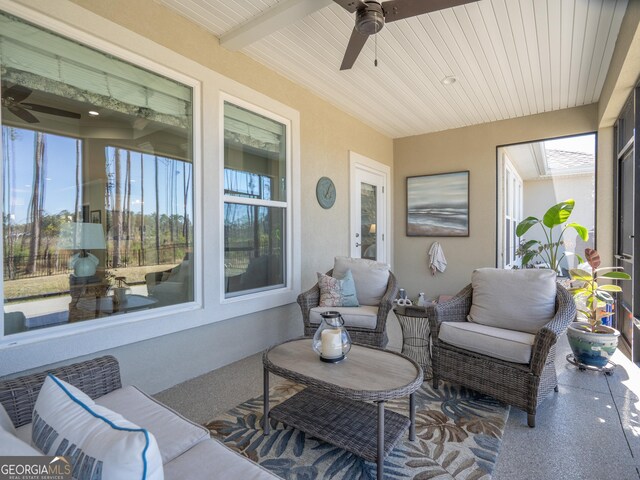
{"x": 521, "y": 385}
{"x": 376, "y": 337}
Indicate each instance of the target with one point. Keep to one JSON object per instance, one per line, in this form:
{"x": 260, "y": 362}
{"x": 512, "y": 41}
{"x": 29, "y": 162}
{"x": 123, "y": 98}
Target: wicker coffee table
{"x": 333, "y": 408}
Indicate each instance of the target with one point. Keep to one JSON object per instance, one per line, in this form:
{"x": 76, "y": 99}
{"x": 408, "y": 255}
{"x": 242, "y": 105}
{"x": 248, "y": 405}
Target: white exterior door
{"x": 369, "y": 236}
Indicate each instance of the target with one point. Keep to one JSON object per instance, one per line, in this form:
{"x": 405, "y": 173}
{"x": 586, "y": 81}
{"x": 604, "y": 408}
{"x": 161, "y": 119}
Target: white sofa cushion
{"x": 364, "y": 316}
{"x": 174, "y": 433}
{"x": 10, "y": 444}
{"x": 371, "y": 277}
{"x": 509, "y": 345}
{"x": 66, "y": 422}
{"x": 211, "y": 459}
{"x": 24, "y": 433}
{"x": 5, "y": 422}
{"x": 522, "y": 300}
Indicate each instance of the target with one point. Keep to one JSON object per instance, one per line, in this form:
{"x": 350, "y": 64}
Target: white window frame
{"x": 286, "y": 204}
{"x": 510, "y": 208}
{"x": 46, "y": 346}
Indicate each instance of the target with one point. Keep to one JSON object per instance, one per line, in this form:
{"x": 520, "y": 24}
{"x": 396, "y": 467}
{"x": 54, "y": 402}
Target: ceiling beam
{"x": 271, "y": 20}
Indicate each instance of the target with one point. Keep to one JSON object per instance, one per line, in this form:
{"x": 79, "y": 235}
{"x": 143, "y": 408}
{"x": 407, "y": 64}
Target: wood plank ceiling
{"x": 511, "y": 58}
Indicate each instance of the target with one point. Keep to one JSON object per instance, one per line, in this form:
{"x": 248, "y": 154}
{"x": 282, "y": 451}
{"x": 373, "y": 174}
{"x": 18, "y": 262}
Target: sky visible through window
{"x": 581, "y": 144}
{"x": 60, "y": 183}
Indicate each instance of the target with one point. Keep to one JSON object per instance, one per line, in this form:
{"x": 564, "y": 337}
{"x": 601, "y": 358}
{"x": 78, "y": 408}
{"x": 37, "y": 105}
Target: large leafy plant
{"x": 593, "y": 297}
{"x": 553, "y": 225}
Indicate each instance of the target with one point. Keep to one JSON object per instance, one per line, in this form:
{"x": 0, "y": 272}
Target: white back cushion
{"x": 174, "y": 433}
{"x": 371, "y": 277}
{"x": 66, "y": 422}
{"x": 521, "y": 300}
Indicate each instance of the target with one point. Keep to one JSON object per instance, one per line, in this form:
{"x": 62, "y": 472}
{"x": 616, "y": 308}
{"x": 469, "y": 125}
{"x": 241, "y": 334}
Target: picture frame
{"x": 96, "y": 216}
{"x": 438, "y": 205}
{"x": 86, "y": 216}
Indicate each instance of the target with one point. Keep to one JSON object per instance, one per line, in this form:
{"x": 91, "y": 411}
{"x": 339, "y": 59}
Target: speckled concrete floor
{"x": 589, "y": 430}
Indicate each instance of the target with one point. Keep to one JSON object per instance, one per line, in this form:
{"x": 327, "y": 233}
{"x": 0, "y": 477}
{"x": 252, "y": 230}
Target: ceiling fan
{"x": 13, "y": 96}
{"x": 371, "y": 15}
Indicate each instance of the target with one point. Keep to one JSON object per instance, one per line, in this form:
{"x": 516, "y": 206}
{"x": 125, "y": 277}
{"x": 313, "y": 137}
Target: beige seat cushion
{"x": 522, "y": 300}
{"x": 364, "y": 316}
{"x": 371, "y": 277}
{"x": 174, "y": 433}
{"x": 508, "y": 345}
{"x": 210, "y": 459}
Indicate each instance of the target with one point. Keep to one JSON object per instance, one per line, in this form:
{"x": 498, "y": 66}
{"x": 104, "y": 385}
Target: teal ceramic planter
{"x": 593, "y": 349}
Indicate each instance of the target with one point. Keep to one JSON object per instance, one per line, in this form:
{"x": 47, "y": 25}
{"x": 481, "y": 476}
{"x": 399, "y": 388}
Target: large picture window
{"x": 255, "y": 201}
{"x": 98, "y": 183}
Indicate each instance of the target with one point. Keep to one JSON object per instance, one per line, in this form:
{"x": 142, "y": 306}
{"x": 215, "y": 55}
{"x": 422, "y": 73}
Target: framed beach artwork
{"x": 438, "y": 205}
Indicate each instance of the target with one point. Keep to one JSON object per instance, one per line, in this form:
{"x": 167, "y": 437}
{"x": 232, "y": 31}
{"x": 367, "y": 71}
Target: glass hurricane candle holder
{"x": 332, "y": 341}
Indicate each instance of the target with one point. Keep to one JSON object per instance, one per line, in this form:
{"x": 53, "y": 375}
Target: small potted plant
{"x": 592, "y": 342}
{"x": 549, "y": 251}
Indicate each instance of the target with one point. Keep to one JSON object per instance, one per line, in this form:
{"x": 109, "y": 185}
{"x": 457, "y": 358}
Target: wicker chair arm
{"x": 454, "y": 310}
{"x": 548, "y": 335}
{"x": 386, "y": 303}
{"x": 95, "y": 377}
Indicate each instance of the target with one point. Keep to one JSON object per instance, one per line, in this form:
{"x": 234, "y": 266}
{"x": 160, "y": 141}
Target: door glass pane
{"x": 368, "y": 220}
{"x": 254, "y": 247}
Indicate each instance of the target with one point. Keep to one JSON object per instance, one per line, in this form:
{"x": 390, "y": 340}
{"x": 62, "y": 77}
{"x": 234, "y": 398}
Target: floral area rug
{"x": 458, "y": 436}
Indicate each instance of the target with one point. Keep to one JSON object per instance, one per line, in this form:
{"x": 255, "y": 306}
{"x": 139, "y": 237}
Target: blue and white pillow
{"x": 100, "y": 443}
{"x": 348, "y": 290}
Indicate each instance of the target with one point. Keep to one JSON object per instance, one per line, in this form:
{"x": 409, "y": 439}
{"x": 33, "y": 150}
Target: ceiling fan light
{"x": 370, "y": 20}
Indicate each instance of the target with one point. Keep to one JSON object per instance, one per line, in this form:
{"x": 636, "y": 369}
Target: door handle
{"x": 624, "y": 256}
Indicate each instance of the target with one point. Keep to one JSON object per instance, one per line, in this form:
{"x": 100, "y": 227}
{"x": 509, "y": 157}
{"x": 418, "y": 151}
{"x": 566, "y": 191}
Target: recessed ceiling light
{"x": 93, "y": 113}
{"x": 450, "y": 80}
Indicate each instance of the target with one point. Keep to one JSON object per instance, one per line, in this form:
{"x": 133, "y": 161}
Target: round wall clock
{"x": 326, "y": 192}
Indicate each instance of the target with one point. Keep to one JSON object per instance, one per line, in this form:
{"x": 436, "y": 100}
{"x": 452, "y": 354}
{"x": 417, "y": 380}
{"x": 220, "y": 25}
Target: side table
{"x": 84, "y": 288}
{"x": 416, "y": 335}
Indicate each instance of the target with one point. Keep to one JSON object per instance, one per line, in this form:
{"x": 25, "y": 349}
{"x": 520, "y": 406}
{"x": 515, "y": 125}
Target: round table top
{"x": 105, "y": 304}
{"x": 367, "y": 373}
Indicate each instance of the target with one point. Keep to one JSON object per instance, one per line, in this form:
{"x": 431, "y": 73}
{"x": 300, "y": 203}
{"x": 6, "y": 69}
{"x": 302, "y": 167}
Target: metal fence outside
{"x": 17, "y": 267}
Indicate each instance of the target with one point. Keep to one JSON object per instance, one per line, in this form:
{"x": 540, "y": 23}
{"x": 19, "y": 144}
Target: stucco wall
{"x": 327, "y": 135}
{"x": 474, "y": 149}
{"x": 539, "y": 195}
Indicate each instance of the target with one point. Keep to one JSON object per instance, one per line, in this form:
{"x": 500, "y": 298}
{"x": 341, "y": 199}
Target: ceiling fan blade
{"x": 50, "y": 110}
{"x": 399, "y": 9}
{"x": 356, "y": 42}
{"x": 351, "y": 5}
{"x": 23, "y": 114}
{"x": 16, "y": 92}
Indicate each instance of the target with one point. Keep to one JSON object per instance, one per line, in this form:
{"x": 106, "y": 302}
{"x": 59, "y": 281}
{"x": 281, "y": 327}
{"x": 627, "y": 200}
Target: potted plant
{"x": 549, "y": 251}
{"x": 592, "y": 342}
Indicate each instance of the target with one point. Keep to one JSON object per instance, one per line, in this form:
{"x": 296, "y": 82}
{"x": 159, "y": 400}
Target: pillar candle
{"x": 331, "y": 343}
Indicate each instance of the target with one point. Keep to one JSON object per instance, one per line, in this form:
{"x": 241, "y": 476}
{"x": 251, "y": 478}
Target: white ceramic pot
{"x": 594, "y": 349}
